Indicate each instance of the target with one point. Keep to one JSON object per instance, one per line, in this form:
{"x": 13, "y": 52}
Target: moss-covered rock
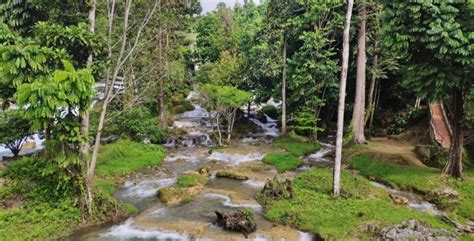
{"x": 186, "y": 188}
{"x": 232, "y": 174}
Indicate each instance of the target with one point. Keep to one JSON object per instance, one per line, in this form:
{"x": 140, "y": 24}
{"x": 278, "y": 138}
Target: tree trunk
{"x": 218, "y": 124}
{"x": 371, "y": 109}
{"x": 454, "y": 165}
{"x": 84, "y": 148}
{"x": 358, "y": 114}
{"x": 283, "y": 88}
{"x": 342, "y": 96}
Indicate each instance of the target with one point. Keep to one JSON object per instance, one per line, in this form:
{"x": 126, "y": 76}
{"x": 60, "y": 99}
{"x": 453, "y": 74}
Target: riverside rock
{"x": 414, "y": 230}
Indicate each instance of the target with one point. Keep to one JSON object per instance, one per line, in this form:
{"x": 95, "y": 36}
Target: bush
{"x": 271, "y": 111}
{"x": 137, "y": 124}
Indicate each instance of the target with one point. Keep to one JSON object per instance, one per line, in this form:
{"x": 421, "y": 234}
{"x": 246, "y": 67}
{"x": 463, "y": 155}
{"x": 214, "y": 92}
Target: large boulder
{"x": 414, "y": 230}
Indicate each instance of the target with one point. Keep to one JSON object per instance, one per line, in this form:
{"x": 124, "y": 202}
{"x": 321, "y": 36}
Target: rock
{"x": 178, "y": 195}
{"x": 398, "y": 199}
{"x": 423, "y": 151}
{"x": 275, "y": 189}
{"x": 238, "y": 221}
{"x": 232, "y": 175}
{"x": 204, "y": 171}
{"x": 109, "y": 139}
{"x": 414, "y": 230}
{"x": 445, "y": 192}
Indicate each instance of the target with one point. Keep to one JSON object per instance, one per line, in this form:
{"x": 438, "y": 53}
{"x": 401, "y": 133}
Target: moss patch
{"x": 125, "y": 157}
{"x": 186, "y": 188}
{"x": 314, "y": 210}
{"x": 420, "y": 179}
{"x": 294, "y": 147}
{"x": 232, "y": 175}
{"x": 191, "y": 180}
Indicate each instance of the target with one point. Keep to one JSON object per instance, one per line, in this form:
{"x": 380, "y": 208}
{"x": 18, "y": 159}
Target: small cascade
{"x": 415, "y": 202}
{"x": 234, "y": 159}
{"x": 146, "y": 188}
{"x": 228, "y": 203}
{"x": 319, "y": 158}
{"x": 129, "y": 231}
{"x": 270, "y": 127}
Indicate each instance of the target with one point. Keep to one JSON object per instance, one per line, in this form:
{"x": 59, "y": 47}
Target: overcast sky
{"x": 209, "y": 5}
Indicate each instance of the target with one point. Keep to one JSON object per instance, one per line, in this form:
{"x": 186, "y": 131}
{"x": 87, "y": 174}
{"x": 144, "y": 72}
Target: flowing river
{"x": 189, "y": 151}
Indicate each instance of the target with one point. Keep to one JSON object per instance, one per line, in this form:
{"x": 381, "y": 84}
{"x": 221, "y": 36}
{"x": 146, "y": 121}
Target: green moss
{"x": 313, "y": 209}
{"x": 420, "y": 179}
{"x": 283, "y": 161}
{"x": 294, "y": 147}
{"x": 181, "y": 106}
{"x": 124, "y": 157}
{"x": 191, "y": 180}
{"x": 232, "y": 175}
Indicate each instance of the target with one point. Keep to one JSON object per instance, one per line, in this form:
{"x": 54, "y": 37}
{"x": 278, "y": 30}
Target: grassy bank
{"x": 292, "y": 148}
{"x": 422, "y": 180}
{"x": 361, "y": 209}
{"x": 32, "y": 210}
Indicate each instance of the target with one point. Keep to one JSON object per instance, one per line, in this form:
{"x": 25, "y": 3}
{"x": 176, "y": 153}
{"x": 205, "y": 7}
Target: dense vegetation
{"x": 101, "y": 80}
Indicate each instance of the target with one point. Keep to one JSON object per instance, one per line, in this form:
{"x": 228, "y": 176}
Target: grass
{"x": 294, "y": 147}
{"x": 314, "y": 210}
{"x": 40, "y": 217}
{"x": 125, "y": 157}
{"x": 420, "y": 179}
{"x": 191, "y": 180}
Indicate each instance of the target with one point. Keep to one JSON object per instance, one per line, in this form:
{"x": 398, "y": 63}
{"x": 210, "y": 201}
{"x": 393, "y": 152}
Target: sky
{"x": 209, "y": 5}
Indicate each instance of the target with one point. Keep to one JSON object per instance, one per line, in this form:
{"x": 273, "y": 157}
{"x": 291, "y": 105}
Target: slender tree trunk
{"x": 160, "y": 74}
{"x": 218, "y": 124}
{"x": 358, "y": 114}
{"x": 84, "y": 148}
{"x": 371, "y": 109}
{"x": 342, "y": 97}
{"x": 283, "y": 88}
{"x": 454, "y": 165}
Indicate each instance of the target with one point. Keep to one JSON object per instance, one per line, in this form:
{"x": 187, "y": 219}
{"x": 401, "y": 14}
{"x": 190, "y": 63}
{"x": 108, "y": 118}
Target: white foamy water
{"x": 129, "y": 231}
{"x": 235, "y": 158}
{"x": 146, "y": 188}
{"x": 185, "y": 124}
{"x": 182, "y": 157}
{"x": 254, "y": 183}
{"x": 305, "y": 236}
{"x": 227, "y": 202}
{"x": 270, "y": 128}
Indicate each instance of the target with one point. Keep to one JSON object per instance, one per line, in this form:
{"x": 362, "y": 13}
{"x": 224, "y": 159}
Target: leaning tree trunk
{"x": 283, "y": 88}
{"x": 358, "y": 114}
{"x": 454, "y": 165}
{"x": 342, "y": 97}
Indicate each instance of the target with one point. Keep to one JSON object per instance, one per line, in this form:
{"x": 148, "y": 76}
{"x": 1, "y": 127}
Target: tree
{"x": 358, "y": 113}
{"x": 224, "y": 100}
{"x": 342, "y": 96}
{"x": 435, "y": 39}
{"x": 14, "y": 130}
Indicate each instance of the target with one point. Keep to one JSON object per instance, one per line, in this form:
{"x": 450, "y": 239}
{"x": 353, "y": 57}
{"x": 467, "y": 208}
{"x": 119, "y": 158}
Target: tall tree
{"x": 435, "y": 40}
{"x": 342, "y": 97}
{"x": 358, "y": 113}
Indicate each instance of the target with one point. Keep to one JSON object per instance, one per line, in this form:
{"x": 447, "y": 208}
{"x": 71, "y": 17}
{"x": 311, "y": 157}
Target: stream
{"x": 189, "y": 151}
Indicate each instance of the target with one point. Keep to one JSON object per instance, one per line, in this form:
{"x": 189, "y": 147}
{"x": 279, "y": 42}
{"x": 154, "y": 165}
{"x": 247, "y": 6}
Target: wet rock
{"x": 462, "y": 228}
{"x": 109, "y": 139}
{"x": 232, "y": 175}
{"x": 398, "y": 199}
{"x": 178, "y": 195}
{"x": 275, "y": 189}
{"x": 204, "y": 171}
{"x": 239, "y": 221}
{"x": 414, "y": 230}
{"x": 445, "y": 192}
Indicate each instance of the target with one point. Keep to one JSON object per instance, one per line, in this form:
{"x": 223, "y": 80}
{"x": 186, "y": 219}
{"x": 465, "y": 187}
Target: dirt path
{"x": 390, "y": 147}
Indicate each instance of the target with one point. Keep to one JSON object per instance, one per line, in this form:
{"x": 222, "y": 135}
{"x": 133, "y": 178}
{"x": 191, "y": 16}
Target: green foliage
{"x": 412, "y": 116}
{"x": 271, "y": 111}
{"x": 125, "y": 157}
{"x": 137, "y": 123}
{"x": 191, "y": 180}
{"x": 435, "y": 39}
{"x": 398, "y": 126}
{"x": 14, "y": 129}
{"x": 283, "y": 161}
{"x": 42, "y": 221}
{"x": 306, "y": 122}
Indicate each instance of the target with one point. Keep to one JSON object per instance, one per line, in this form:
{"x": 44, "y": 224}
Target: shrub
{"x": 14, "y": 129}
{"x": 137, "y": 124}
{"x": 271, "y": 111}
